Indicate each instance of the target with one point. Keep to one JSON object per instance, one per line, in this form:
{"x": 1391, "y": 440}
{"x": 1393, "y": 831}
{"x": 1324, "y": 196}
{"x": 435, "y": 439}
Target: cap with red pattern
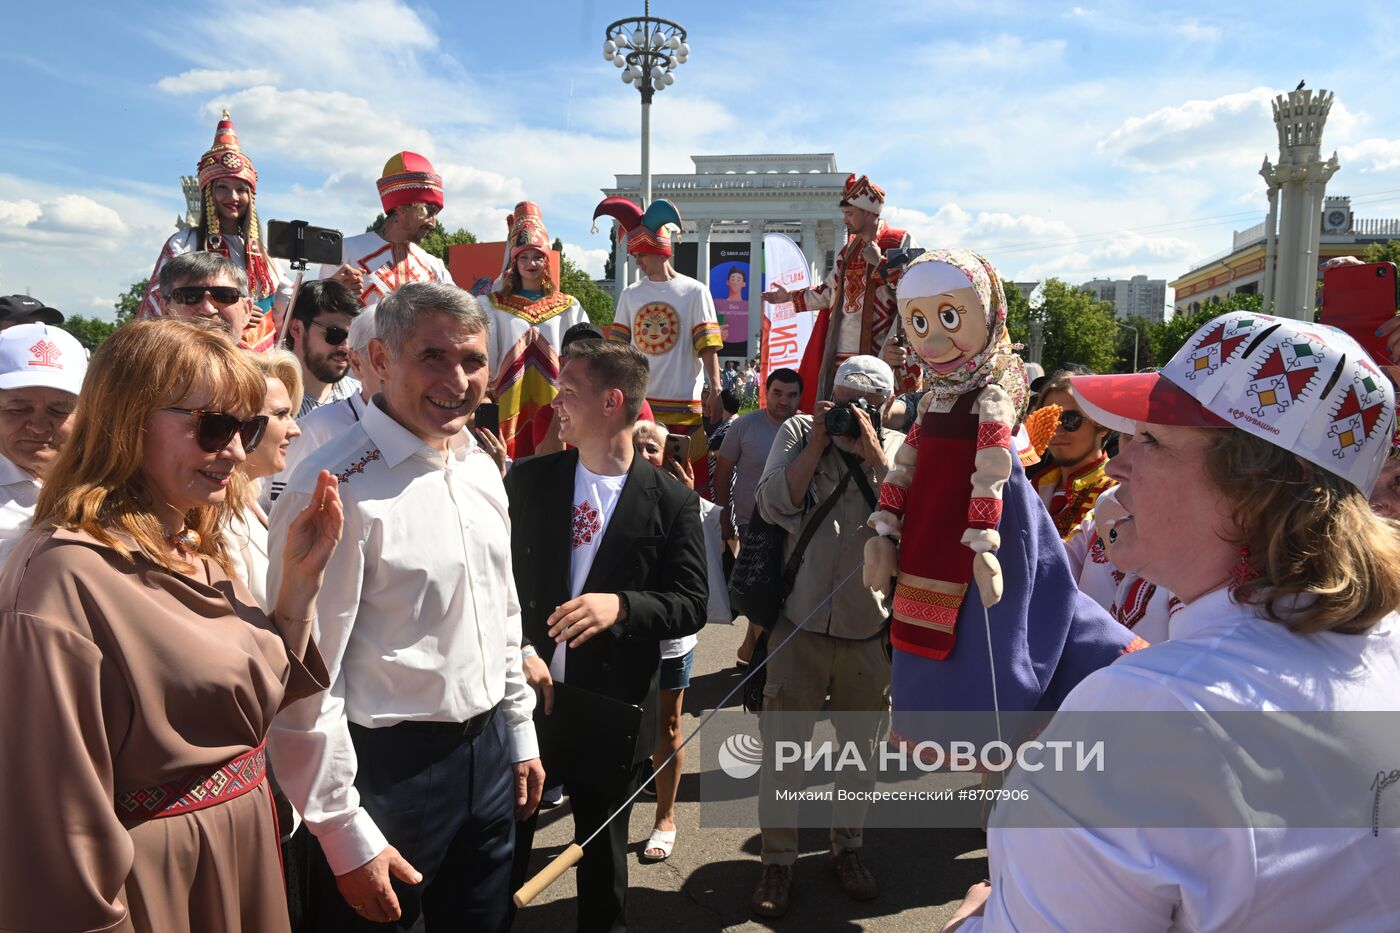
{"x": 1305, "y": 387}
{"x": 408, "y": 178}
{"x": 863, "y": 193}
{"x": 224, "y": 159}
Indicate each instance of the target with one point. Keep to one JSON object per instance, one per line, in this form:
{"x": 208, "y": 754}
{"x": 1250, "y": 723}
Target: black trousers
{"x": 602, "y": 872}
{"x": 447, "y": 803}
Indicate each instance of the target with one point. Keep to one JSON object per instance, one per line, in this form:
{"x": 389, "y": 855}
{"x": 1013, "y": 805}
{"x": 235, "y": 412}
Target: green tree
{"x": 1388, "y": 251}
{"x": 1077, "y": 329}
{"x": 90, "y": 331}
{"x": 130, "y": 301}
{"x": 437, "y": 241}
{"x": 1126, "y": 356}
{"x": 610, "y": 264}
{"x": 597, "y": 303}
{"x": 1168, "y": 337}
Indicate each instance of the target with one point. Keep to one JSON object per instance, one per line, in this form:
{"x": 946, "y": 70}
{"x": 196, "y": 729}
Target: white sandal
{"x": 663, "y": 840}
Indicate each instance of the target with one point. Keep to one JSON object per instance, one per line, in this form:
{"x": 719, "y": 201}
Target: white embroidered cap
{"x": 40, "y": 355}
{"x": 1301, "y": 386}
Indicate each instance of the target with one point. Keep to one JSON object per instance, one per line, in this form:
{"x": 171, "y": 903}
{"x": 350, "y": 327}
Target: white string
{"x": 720, "y": 706}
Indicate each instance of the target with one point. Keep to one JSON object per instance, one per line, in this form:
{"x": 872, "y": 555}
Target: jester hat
{"x": 645, "y": 231}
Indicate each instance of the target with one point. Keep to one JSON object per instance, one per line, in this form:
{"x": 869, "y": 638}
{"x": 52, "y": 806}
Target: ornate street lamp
{"x": 648, "y": 50}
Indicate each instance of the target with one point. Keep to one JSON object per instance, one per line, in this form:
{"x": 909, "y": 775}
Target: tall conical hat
{"x": 224, "y": 159}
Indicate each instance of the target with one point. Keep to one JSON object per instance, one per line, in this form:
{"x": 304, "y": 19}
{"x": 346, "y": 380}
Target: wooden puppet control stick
{"x": 547, "y": 875}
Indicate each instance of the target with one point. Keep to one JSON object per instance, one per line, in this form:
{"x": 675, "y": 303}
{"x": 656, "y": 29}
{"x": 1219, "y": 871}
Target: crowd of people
{"x": 295, "y": 638}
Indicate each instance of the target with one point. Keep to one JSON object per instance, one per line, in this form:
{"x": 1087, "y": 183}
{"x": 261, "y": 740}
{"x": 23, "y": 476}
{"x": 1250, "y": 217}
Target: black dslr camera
{"x": 841, "y": 420}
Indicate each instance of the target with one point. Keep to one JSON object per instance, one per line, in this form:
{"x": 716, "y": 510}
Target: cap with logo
{"x": 14, "y": 307}
{"x": 1305, "y": 387}
{"x": 40, "y": 355}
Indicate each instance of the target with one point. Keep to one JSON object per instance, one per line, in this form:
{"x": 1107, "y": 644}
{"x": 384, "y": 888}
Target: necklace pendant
{"x": 186, "y": 541}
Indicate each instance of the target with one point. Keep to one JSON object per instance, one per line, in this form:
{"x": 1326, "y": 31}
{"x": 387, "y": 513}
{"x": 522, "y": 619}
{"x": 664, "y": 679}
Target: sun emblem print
{"x": 656, "y": 328}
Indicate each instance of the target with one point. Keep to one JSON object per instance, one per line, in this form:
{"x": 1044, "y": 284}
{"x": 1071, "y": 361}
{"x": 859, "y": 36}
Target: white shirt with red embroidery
{"x": 595, "y": 498}
{"x": 374, "y": 256}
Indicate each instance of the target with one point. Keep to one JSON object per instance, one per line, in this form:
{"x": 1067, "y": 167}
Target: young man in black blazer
{"x": 609, "y": 559}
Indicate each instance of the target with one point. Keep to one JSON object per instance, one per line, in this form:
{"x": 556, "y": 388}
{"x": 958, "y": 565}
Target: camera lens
{"x": 840, "y": 422}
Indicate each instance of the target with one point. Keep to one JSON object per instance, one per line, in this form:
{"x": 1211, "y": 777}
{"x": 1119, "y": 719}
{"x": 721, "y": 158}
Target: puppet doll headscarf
{"x": 941, "y": 270}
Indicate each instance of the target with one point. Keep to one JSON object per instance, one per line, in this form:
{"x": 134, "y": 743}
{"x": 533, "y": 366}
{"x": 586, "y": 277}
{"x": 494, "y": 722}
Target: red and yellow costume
{"x": 526, "y": 331}
{"x": 1069, "y": 506}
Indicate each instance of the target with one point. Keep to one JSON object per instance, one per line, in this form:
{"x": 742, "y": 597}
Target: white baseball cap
{"x": 866, "y": 374}
{"x": 1305, "y": 387}
{"x": 40, "y": 355}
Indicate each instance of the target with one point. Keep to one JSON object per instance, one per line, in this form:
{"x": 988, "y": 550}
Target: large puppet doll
{"x": 972, "y": 532}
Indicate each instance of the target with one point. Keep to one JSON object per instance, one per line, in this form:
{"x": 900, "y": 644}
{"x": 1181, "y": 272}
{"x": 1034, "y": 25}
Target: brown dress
{"x": 119, "y": 676}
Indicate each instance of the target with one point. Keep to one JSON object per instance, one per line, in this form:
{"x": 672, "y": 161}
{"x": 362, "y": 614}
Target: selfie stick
{"x": 570, "y": 856}
{"x": 298, "y": 263}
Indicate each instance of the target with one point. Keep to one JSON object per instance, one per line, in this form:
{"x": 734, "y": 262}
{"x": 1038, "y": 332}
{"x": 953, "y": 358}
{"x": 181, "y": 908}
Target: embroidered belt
{"x": 203, "y": 789}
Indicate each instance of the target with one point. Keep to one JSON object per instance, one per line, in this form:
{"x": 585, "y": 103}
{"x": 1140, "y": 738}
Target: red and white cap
{"x": 1305, "y": 387}
{"x": 40, "y": 355}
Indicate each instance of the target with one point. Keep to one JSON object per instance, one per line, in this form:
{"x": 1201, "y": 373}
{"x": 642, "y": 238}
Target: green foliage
{"x": 1165, "y": 339}
{"x": 597, "y": 303}
{"x": 1077, "y": 329}
{"x": 1388, "y": 251}
{"x": 1144, "y": 355}
{"x": 130, "y": 301}
{"x": 90, "y": 331}
{"x": 610, "y": 264}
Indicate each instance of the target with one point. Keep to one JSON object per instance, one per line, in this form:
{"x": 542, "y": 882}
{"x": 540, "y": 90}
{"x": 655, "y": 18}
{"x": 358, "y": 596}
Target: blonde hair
{"x": 282, "y": 366}
{"x": 643, "y": 429}
{"x": 96, "y": 484}
{"x": 1326, "y": 562}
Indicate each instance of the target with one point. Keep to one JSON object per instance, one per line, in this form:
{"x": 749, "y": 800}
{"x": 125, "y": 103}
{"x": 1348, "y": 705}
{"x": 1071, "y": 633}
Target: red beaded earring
{"x": 1244, "y": 570}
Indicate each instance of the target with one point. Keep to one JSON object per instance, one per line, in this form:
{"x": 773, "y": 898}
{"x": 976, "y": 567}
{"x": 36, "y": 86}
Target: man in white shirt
{"x": 41, "y": 371}
{"x": 414, "y": 767}
{"x": 377, "y": 262}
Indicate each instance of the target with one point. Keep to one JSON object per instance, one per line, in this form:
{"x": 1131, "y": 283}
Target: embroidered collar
{"x": 532, "y": 310}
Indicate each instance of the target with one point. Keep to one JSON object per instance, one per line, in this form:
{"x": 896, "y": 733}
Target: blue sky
{"x": 1104, "y": 138}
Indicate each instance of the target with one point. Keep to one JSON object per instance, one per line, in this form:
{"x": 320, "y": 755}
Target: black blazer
{"x": 653, "y": 552}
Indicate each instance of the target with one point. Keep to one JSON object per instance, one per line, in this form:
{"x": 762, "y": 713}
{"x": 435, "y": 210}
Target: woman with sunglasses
{"x": 248, "y": 521}
{"x": 141, "y": 676}
{"x": 1075, "y": 475}
{"x": 228, "y": 225}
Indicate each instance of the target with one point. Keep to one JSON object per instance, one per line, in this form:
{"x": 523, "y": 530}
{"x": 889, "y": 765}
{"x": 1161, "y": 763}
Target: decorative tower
{"x": 194, "y": 201}
{"x": 1293, "y": 227}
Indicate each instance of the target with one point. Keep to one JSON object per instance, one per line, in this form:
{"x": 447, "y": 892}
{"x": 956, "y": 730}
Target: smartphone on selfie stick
{"x": 300, "y": 243}
{"x": 1358, "y": 299}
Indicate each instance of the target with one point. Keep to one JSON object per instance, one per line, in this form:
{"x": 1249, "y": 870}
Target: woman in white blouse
{"x": 1243, "y": 491}
{"x": 248, "y": 527}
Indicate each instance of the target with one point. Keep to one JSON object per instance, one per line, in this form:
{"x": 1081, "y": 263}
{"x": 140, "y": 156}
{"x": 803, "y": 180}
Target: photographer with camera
{"x": 825, "y": 469}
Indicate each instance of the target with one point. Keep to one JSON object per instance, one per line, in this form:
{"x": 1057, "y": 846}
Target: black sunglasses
{"x": 1071, "y": 420}
{"x": 216, "y": 428}
{"x": 335, "y": 334}
{"x": 223, "y": 295}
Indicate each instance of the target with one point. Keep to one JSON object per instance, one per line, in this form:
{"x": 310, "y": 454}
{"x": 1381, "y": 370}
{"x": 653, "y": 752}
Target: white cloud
{"x": 15, "y": 214}
{"x": 74, "y": 214}
{"x": 203, "y": 80}
{"x": 1371, "y": 155}
{"x": 952, "y": 225}
{"x": 589, "y": 260}
{"x": 1117, "y": 257}
{"x": 1185, "y": 135}
{"x": 1002, "y": 52}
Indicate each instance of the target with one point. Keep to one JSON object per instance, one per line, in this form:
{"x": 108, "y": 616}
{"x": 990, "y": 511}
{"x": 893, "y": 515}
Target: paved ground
{"x": 706, "y": 883}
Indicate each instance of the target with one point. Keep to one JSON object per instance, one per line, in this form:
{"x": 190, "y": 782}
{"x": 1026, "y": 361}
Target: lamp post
{"x": 1135, "y": 342}
{"x": 648, "y": 50}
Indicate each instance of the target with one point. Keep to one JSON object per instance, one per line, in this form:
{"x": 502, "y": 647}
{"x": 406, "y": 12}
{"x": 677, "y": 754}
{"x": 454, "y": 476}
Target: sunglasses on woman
{"x": 215, "y": 429}
{"x": 221, "y": 295}
{"x": 335, "y": 335}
